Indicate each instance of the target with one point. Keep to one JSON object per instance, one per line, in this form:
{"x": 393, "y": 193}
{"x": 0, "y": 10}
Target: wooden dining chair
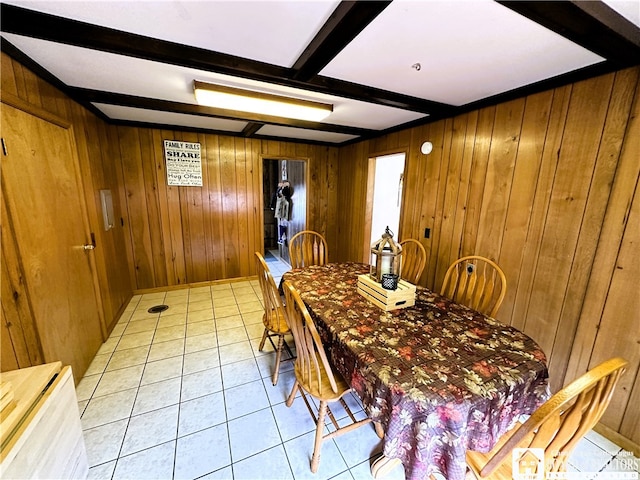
{"x": 314, "y": 374}
{"x": 556, "y": 427}
{"x": 476, "y": 282}
{"x": 307, "y": 248}
{"x": 275, "y": 324}
{"x": 413, "y": 259}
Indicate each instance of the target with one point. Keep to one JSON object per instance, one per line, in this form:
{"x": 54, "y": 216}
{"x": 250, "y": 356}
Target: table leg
{"x": 381, "y": 467}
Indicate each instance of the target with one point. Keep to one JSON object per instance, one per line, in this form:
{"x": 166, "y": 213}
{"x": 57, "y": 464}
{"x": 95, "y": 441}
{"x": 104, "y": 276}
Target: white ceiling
{"x": 463, "y": 56}
{"x": 469, "y": 52}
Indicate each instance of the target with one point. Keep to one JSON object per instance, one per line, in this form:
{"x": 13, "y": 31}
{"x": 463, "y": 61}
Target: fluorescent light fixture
{"x": 230, "y": 98}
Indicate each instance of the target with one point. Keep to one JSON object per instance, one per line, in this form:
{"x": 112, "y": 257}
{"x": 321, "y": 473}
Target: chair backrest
{"x": 559, "y": 424}
{"x": 414, "y": 258}
{"x": 307, "y": 248}
{"x": 476, "y": 282}
{"x": 311, "y": 360}
{"x": 274, "y": 314}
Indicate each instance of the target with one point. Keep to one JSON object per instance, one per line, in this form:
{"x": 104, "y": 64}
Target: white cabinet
{"x": 41, "y": 433}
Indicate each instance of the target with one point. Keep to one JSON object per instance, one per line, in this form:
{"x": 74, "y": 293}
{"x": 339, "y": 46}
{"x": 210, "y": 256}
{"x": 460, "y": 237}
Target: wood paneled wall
{"x": 547, "y": 186}
{"x": 185, "y": 235}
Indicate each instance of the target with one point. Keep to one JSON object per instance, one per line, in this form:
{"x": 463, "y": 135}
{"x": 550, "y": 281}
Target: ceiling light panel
{"x": 275, "y": 32}
{"x": 244, "y": 100}
{"x": 467, "y": 50}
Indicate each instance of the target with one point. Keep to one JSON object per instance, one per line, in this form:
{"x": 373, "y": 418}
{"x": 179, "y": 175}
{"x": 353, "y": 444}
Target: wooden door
{"x": 42, "y": 189}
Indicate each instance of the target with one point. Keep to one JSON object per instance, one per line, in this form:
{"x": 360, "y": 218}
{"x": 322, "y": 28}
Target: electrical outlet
{"x": 427, "y": 232}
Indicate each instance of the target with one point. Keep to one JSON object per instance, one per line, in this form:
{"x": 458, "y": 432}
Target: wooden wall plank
{"x": 252, "y": 216}
{"x": 132, "y": 167}
{"x": 614, "y": 224}
{"x": 207, "y": 212}
{"x": 607, "y": 315}
{"x": 244, "y": 215}
{"x": 623, "y": 304}
{"x": 331, "y": 183}
{"x": 216, "y": 254}
{"x": 259, "y": 201}
{"x": 566, "y": 209}
{"x": 481, "y": 151}
{"x": 122, "y": 199}
{"x": 609, "y": 149}
{"x": 229, "y": 207}
{"x": 521, "y": 200}
{"x": 30, "y": 87}
{"x": 450, "y": 164}
{"x": 426, "y": 199}
{"x": 153, "y": 212}
{"x": 8, "y": 82}
{"x": 411, "y": 225}
{"x": 499, "y": 179}
{"x": 194, "y": 235}
{"x": 157, "y": 142}
{"x": 540, "y": 206}
{"x": 351, "y": 212}
{"x": 462, "y": 200}
{"x": 412, "y": 171}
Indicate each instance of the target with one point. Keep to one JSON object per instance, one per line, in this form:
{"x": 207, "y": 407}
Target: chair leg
{"x": 315, "y": 459}
{"x": 274, "y": 378}
{"x": 264, "y": 339}
{"x": 293, "y": 393}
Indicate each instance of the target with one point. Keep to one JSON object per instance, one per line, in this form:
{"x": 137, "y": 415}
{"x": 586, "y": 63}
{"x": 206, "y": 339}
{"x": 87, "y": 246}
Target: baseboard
{"x": 618, "y": 439}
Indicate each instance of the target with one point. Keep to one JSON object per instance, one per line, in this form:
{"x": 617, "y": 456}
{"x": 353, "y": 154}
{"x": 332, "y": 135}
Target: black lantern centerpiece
{"x": 385, "y": 261}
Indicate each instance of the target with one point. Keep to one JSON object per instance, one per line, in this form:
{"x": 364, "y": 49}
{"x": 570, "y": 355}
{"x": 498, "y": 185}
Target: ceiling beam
{"x": 251, "y": 128}
{"x": 345, "y": 23}
{"x": 591, "y": 24}
{"x": 44, "y": 26}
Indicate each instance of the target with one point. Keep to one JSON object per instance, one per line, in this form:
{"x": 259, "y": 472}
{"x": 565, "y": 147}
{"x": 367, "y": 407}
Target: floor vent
{"x": 158, "y": 308}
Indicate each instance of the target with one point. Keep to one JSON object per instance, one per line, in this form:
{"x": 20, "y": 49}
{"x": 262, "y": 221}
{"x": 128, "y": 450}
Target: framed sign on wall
{"x": 183, "y": 163}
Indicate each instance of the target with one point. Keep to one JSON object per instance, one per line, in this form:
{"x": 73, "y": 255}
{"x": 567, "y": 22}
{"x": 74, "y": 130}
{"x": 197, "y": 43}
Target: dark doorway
{"x": 284, "y": 204}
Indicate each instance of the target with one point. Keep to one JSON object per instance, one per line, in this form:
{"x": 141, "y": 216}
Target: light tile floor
{"x": 186, "y": 394}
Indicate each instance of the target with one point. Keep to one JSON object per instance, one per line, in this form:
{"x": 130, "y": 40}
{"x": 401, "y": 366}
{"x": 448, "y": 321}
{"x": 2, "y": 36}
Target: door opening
{"x": 386, "y": 196}
{"x": 284, "y": 204}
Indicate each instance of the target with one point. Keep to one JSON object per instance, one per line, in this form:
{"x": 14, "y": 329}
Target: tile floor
{"x": 186, "y": 394}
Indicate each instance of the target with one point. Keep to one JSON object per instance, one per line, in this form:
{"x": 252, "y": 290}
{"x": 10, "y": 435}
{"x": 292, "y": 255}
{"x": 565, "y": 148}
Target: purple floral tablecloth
{"x": 440, "y": 378}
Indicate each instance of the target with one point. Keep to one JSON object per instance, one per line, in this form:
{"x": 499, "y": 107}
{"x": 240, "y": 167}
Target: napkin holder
{"x": 402, "y": 297}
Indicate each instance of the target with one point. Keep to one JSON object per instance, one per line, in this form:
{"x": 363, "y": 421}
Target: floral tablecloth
{"x": 440, "y": 378}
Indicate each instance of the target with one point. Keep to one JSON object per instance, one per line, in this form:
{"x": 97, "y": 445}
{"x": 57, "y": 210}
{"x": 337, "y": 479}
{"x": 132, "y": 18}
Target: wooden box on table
{"x": 402, "y": 297}
{"x": 41, "y": 433}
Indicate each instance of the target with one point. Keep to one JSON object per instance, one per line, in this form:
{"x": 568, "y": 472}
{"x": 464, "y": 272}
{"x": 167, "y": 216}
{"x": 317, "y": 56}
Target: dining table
{"x": 437, "y": 377}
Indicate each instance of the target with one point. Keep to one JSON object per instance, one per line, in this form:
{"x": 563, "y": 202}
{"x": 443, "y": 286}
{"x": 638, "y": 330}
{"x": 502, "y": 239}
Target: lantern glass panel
{"x": 385, "y": 256}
